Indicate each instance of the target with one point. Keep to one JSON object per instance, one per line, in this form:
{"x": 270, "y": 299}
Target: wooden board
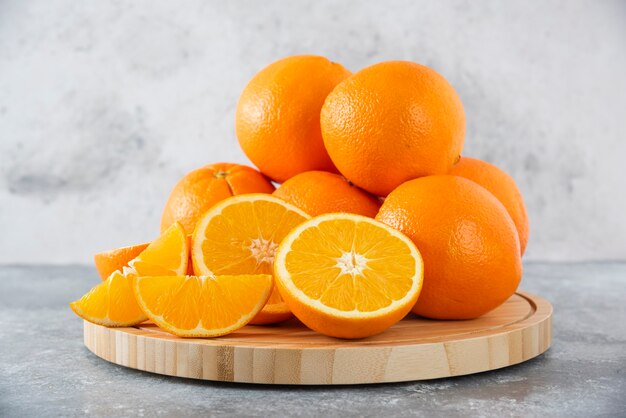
{"x": 413, "y": 349}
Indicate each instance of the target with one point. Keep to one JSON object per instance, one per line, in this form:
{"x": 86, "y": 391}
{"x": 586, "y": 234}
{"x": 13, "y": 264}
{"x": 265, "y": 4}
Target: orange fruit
{"x": 205, "y": 306}
{"x": 278, "y": 115}
{"x": 200, "y": 189}
{"x": 392, "y": 122}
{"x": 319, "y": 192}
{"x": 502, "y": 186}
{"x": 113, "y": 260}
{"x": 472, "y": 261}
{"x": 168, "y": 255}
{"x": 112, "y": 302}
{"x": 240, "y": 235}
{"x": 348, "y": 276}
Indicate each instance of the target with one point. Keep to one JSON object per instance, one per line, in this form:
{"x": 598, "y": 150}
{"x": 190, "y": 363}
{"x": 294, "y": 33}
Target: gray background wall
{"x": 105, "y": 104}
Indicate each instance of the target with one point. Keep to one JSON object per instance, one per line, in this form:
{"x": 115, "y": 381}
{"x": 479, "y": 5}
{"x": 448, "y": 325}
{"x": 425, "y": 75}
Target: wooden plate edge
{"x": 363, "y": 364}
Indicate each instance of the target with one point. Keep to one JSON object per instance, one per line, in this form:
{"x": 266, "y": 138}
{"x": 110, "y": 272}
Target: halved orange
{"x": 113, "y": 260}
{"x": 240, "y": 235}
{"x": 202, "y": 306}
{"x": 112, "y": 302}
{"x": 348, "y": 276}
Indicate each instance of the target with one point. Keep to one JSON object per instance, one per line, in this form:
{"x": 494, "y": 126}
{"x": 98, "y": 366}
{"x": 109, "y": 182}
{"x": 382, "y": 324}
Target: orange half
{"x": 348, "y": 276}
{"x": 240, "y": 235}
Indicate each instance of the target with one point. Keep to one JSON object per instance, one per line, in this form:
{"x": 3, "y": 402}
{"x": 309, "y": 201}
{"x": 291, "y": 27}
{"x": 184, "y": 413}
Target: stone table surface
{"x": 46, "y": 371}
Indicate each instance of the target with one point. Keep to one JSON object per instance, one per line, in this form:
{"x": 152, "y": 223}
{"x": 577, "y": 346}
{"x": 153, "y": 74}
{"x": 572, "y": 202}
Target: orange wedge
{"x": 202, "y": 306}
{"x": 113, "y": 260}
{"x": 112, "y": 302}
{"x": 348, "y": 276}
{"x": 240, "y": 235}
{"x": 168, "y": 255}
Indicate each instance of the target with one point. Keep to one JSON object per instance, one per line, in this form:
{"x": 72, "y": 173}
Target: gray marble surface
{"x": 46, "y": 371}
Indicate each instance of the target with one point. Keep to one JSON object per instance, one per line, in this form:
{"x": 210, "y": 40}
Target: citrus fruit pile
{"x": 376, "y": 215}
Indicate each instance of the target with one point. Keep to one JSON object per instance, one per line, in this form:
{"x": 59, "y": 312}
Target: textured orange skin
{"x": 109, "y": 261}
{"x": 469, "y": 244}
{"x": 278, "y": 115}
{"x": 392, "y": 122}
{"x": 347, "y": 328}
{"x": 200, "y": 189}
{"x": 502, "y": 186}
{"x": 319, "y": 192}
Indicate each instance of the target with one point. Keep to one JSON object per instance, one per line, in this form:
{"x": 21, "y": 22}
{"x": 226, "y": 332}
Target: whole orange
{"x": 392, "y": 122}
{"x": 278, "y": 115}
{"x": 319, "y": 192}
{"x": 502, "y": 186}
{"x": 200, "y": 189}
{"x": 469, "y": 244}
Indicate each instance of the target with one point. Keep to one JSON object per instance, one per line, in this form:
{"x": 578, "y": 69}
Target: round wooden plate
{"x": 290, "y": 353}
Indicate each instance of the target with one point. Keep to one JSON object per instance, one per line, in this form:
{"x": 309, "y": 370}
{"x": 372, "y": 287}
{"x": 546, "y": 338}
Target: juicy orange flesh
{"x": 275, "y": 297}
{"x": 188, "y": 302}
{"x": 146, "y": 269}
{"x": 111, "y": 300}
{"x": 231, "y": 237}
{"x": 383, "y": 276}
{"x": 165, "y": 255}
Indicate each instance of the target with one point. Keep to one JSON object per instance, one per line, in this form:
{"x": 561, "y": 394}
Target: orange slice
{"x": 348, "y": 276}
{"x": 168, "y": 255}
{"x": 202, "y": 306}
{"x": 112, "y": 302}
{"x": 240, "y": 235}
{"x": 113, "y": 260}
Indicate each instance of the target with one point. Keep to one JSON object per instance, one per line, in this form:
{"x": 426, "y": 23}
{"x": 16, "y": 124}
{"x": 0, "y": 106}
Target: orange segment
{"x": 347, "y": 275}
{"x": 240, "y": 235}
{"x": 113, "y": 260}
{"x": 167, "y": 255}
{"x": 202, "y": 306}
{"x": 112, "y": 302}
